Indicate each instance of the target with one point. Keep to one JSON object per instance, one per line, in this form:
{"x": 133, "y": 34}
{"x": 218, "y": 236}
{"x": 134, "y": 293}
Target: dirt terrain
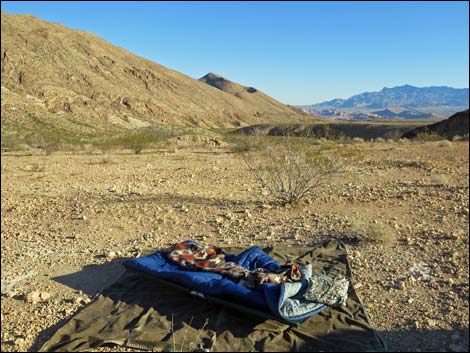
{"x": 69, "y": 219}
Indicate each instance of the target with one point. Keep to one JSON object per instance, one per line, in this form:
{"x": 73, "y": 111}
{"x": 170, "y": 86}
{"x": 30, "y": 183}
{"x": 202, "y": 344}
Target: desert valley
{"x": 106, "y": 155}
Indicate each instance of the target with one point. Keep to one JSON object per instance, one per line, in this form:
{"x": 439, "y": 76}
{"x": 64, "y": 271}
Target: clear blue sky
{"x": 297, "y": 52}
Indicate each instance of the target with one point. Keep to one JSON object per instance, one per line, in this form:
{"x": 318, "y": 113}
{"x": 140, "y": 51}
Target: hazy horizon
{"x": 300, "y": 53}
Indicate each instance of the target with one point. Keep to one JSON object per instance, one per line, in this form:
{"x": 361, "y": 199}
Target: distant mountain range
{"x": 406, "y": 101}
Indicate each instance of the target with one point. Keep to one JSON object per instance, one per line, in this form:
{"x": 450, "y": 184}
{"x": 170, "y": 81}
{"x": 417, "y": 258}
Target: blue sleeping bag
{"x": 284, "y": 301}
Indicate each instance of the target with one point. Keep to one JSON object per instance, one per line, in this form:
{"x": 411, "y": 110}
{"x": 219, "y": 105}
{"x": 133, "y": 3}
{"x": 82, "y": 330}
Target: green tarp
{"x": 137, "y": 311}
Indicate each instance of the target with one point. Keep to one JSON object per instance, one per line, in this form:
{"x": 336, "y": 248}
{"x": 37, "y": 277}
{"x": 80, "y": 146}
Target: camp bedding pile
{"x": 261, "y": 287}
{"x": 139, "y": 312}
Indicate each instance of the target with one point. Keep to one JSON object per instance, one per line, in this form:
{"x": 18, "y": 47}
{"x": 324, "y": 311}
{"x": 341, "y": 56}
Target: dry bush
{"x": 429, "y": 136}
{"x": 293, "y": 170}
{"x": 379, "y": 140}
{"x": 404, "y": 140}
{"x": 362, "y": 231}
{"x": 444, "y": 143}
{"x": 104, "y": 160}
{"x": 135, "y": 142}
{"x": 241, "y": 143}
{"x": 358, "y": 140}
{"x": 393, "y": 135}
{"x": 34, "y": 167}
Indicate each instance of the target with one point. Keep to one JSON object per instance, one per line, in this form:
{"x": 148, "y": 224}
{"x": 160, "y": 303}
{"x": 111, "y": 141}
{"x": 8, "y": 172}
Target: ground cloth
{"x": 143, "y": 313}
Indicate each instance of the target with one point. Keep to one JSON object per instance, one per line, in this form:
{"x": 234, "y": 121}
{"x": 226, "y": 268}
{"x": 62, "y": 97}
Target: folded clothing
{"x": 326, "y": 290}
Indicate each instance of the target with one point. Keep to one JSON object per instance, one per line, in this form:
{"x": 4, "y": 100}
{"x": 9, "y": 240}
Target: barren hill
{"x": 457, "y": 124}
{"x": 73, "y": 80}
{"x": 250, "y": 95}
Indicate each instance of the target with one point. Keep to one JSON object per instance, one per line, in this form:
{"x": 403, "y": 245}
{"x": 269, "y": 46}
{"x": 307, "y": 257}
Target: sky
{"x": 297, "y": 52}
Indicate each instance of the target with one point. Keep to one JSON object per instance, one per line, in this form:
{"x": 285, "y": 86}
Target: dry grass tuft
{"x": 380, "y": 233}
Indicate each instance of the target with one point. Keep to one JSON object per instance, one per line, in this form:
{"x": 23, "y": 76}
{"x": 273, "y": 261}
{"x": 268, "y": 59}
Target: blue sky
{"x": 297, "y": 52}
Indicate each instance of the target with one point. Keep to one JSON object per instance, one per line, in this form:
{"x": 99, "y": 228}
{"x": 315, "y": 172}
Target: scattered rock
{"x": 110, "y": 254}
{"x": 37, "y": 297}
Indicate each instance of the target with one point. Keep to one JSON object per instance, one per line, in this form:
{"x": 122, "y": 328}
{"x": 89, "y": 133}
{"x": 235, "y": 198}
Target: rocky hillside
{"x": 67, "y": 79}
{"x": 457, "y": 124}
{"x": 250, "y": 95}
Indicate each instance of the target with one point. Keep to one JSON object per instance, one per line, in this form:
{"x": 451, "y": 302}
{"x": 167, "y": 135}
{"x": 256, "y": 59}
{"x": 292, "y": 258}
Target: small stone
{"x": 19, "y": 341}
{"x": 45, "y": 296}
{"x": 110, "y": 254}
{"x": 401, "y": 285}
{"x": 36, "y": 297}
{"x": 358, "y": 285}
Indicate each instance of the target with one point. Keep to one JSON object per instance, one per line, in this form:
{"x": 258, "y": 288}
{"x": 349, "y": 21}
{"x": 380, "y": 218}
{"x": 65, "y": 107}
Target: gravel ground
{"x": 69, "y": 219}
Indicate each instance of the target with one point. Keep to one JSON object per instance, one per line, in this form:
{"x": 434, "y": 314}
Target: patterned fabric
{"x": 326, "y": 290}
{"x": 195, "y": 257}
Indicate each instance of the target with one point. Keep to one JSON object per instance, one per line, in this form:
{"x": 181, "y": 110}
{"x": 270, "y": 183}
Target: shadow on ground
{"x": 92, "y": 279}
{"x": 155, "y": 306}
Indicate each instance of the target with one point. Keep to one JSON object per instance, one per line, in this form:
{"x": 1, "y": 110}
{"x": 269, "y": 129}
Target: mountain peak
{"x": 211, "y": 75}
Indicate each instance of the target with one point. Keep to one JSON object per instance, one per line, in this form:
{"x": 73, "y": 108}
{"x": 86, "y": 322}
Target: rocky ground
{"x": 71, "y": 217}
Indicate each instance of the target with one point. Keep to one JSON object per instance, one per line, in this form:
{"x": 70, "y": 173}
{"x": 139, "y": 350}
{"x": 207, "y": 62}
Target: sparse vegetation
{"x": 393, "y": 135}
{"x": 292, "y": 170}
{"x": 241, "y": 143}
{"x": 134, "y": 141}
{"x": 445, "y": 143}
{"x": 104, "y": 160}
{"x": 429, "y": 136}
{"x": 358, "y": 140}
{"x": 361, "y": 231}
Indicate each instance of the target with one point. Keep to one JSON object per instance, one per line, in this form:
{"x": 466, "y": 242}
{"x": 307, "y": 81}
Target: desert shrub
{"x": 136, "y": 142}
{"x": 104, "y": 160}
{"x": 358, "y": 140}
{"x": 457, "y": 138}
{"x": 342, "y": 138}
{"x": 404, "y": 140}
{"x": 428, "y": 136}
{"x": 34, "y": 167}
{"x": 293, "y": 170}
{"x": 362, "y": 231}
{"x": 48, "y": 144}
{"x": 241, "y": 143}
{"x": 444, "y": 143}
{"x": 393, "y": 135}
{"x": 380, "y": 140}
